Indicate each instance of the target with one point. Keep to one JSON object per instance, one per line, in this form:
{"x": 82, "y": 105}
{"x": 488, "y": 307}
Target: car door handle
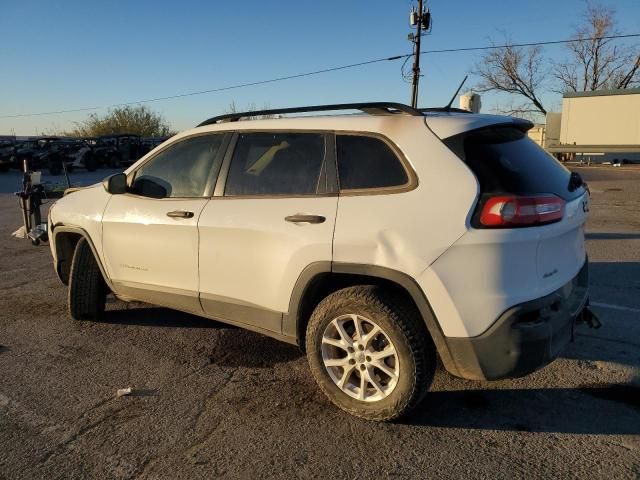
{"x": 180, "y": 214}
{"x": 305, "y": 218}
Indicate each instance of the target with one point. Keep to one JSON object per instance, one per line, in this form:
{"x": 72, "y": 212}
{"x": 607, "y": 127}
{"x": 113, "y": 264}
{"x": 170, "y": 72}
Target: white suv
{"x": 378, "y": 242}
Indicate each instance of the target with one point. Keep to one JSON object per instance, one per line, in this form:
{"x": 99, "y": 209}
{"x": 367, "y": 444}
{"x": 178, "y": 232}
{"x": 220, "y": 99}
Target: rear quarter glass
{"x": 505, "y": 160}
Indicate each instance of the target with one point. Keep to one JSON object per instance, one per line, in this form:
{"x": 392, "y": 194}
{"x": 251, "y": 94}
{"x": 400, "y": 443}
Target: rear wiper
{"x": 575, "y": 181}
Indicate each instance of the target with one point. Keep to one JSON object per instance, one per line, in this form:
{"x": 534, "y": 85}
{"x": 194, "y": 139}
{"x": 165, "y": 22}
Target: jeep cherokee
{"x": 377, "y": 242}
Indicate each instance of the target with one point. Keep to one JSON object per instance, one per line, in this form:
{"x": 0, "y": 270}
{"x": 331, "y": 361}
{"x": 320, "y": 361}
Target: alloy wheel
{"x": 360, "y": 358}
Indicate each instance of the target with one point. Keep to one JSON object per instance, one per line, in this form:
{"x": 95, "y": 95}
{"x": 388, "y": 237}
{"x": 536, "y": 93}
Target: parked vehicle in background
{"x": 153, "y": 142}
{"x": 78, "y": 155}
{"x": 114, "y": 151}
{"x": 34, "y": 151}
{"x": 7, "y": 154}
{"x": 375, "y": 242}
{"x": 621, "y": 162}
{"x": 72, "y": 152}
{"x": 50, "y": 156}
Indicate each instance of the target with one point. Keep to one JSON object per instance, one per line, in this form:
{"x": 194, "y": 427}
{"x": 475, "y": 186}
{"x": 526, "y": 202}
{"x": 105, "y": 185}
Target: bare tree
{"x": 514, "y": 70}
{"x": 514, "y": 108}
{"x": 597, "y": 63}
{"x": 594, "y": 63}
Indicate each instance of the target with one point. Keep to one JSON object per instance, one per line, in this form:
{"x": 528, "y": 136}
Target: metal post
{"x": 25, "y": 197}
{"x": 66, "y": 173}
{"x": 416, "y": 59}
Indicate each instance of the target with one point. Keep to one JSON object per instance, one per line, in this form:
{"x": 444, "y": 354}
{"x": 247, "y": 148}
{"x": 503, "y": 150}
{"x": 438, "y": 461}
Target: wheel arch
{"x": 323, "y": 278}
{"x": 65, "y": 238}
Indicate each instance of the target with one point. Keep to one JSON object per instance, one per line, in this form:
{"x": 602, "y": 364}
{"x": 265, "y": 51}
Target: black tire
{"x": 87, "y": 289}
{"x": 402, "y": 324}
{"x": 4, "y": 167}
{"x": 114, "y": 161}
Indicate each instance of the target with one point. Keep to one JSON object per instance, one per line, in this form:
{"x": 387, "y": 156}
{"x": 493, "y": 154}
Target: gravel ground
{"x": 211, "y": 400}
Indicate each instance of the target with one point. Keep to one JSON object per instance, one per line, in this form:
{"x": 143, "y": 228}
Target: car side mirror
{"x": 116, "y": 184}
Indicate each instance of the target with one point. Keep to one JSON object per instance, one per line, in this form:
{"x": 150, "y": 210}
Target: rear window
{"x": 368, "y": 162}
{"x": 505, "y": 160}
{"x": 276, "y": 164}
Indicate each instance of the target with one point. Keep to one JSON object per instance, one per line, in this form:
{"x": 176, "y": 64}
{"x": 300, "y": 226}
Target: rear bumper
{"x": 525, "y": 337}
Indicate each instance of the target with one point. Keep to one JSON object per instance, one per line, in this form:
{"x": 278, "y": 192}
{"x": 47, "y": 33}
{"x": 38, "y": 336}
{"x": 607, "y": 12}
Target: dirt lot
{"x": 218, "y": 401}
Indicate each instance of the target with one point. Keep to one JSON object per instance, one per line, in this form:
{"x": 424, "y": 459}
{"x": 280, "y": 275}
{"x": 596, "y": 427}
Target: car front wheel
{"x": 370, "y": 353}
{"x": 87, "y": 288}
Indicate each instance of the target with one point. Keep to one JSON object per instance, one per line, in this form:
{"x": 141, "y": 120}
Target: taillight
{"x": 521, "y": 211}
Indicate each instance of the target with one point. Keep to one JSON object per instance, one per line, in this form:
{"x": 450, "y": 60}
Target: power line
{"x": 532, "y": 44}
{"x": 213, "y": 90}
{"x": 317, "y": 72}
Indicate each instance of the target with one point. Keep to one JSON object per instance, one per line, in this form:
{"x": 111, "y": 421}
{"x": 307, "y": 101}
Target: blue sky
{"x": 72, "y": 54}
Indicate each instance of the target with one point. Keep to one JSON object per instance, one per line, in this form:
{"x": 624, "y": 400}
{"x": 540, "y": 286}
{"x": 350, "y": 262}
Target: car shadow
{"x": 242, "y": 348}
{"x": 606, "y": 409}
{"x": 592, "y": 409}
{"x": 592, "y": 346}
{"x": 158, "y": 317}
{"x": 622, "y": 275}
{"x": 232, "y": 346}
{"x": 611, "y": 236}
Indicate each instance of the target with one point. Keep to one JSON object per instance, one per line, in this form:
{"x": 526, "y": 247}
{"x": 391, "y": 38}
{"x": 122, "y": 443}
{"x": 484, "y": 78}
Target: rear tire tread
{"x": 407, "y": 319}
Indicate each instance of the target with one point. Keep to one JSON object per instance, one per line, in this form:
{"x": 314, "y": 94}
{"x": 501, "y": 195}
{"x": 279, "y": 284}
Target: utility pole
{"x": 421, "y": 19}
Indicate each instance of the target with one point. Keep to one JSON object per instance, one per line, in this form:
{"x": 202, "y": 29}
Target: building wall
{"x": 537, "y": 134}
{"x": 601, "y": 120}
{"x": 552, "y": 130}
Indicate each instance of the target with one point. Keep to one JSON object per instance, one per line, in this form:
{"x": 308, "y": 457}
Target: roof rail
{"x": 444, "y": 109}
{"x": 373, "y": 108}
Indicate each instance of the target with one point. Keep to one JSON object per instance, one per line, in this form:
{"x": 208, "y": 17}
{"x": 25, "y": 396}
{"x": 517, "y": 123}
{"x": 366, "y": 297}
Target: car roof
{"x": 443, "y": 123}
{"x": 448, "y": 124}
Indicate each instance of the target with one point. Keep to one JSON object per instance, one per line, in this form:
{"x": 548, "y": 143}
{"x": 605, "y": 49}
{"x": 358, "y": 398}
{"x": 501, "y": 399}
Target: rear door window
{"x": 368, "y": 163}
{"x": 505, "y": 160}
{"x": 276, "y": 164}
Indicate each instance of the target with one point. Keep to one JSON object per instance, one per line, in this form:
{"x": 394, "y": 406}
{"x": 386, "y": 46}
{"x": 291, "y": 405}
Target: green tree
{"x": 139, "y": 120}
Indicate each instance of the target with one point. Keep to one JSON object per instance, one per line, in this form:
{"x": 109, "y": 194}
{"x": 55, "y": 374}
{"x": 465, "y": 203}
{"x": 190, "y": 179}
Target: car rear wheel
{"x": 87, "y": 289}
{"x": 370, "y": 353}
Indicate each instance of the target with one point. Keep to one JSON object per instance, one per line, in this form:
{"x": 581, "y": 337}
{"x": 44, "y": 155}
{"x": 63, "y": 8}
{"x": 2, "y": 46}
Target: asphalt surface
{"x": 210, "y": 400}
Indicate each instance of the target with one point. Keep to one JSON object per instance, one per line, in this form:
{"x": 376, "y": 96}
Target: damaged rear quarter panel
{"x": 407, "y": 230}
